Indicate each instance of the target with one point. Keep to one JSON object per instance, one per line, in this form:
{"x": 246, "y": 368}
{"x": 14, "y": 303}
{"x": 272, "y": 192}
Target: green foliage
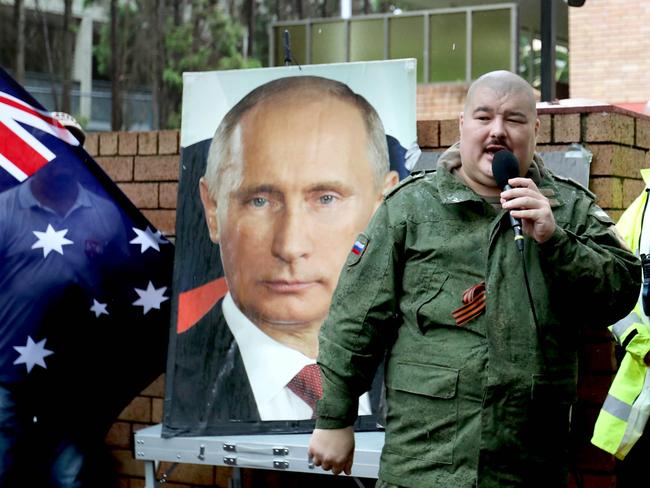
{"x": 206, "y": 38}
{"x": 210, "y": 40}
{"x": 132, "y": 45}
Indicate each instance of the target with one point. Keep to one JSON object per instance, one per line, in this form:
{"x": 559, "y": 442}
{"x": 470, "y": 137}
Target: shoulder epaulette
{"x": 572, "y": 182}
{"x": 409, "y": 179}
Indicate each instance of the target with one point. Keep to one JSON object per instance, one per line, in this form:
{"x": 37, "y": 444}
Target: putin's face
{"x": 306, "y": 190}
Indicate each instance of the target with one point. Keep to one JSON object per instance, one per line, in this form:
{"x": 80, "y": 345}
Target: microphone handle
{"x": 516, "y": 226}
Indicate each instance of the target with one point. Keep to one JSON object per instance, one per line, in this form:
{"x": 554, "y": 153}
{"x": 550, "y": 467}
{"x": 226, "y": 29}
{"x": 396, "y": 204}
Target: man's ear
{"x": 460, "y": 121}
{"x": 390, "y": 180}
{"x": 209, "y": 211}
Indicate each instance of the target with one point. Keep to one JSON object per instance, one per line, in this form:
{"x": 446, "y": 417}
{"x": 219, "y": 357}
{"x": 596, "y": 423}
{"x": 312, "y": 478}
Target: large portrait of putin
{"x": 269, "y": 209}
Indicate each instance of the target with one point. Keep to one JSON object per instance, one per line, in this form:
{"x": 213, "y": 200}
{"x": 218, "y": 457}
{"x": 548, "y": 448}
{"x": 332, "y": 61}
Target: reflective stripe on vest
{"x": 617, "y": 408}
{"x": 622, "y": 326}
{"x": 637, "y": 420}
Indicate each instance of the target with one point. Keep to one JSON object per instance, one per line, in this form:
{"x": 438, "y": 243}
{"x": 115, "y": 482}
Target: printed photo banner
{"x": 293, "y": 178}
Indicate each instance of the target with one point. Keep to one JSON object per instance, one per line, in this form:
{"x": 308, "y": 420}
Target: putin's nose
{"x": 291, "y": 235}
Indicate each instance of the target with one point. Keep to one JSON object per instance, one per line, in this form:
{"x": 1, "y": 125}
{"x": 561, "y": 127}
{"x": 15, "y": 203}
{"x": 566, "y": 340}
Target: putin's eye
{"x": 258, "y": 202}
{"x": 326, "y": 199}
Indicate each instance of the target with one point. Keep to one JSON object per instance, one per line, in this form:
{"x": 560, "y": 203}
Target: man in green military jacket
{"x": 479, "y": 387}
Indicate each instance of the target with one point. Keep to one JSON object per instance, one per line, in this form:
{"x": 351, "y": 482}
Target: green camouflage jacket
{"x": 484, "y": 404}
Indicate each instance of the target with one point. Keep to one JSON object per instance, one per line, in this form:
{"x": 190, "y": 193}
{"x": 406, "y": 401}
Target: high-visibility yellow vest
{"x": 625, "y": 412}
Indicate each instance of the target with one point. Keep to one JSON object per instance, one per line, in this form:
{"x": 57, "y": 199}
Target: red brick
{"x": 163, "y": 220}
{"x": 601, "y": 334}
{"x": 147, "y": 143}
{"x": 613, "y": 66}
{"x": 588, "y": 456}
{"x": 156, "y": 388}
{"x": 593, "y": 388}
{"x": 168, "y": 195}
{"x": 609, "y": 127}
{"x": 143, "y": 195}
{"x": 566, "y": 128}
{"x": 440, "y": 101}
{"x": 552, "y": 148}
{"x": 616, "y": 160}
{"x": 139, "y": 410}
{"x": 631, "y": 190}
{"x": 598, "y": 357}
{"x": 107, "y": 143}
{"x": 615, "y": 214}
{"x": 609, "y": 191}
{"x": 181, "y": 485}
{"x": 123, "y": 483}
{"x": 91, "y": 144}
{"x": 643, "y": 133}
{"x": 194, "y": 474}
{"x": 156, "y": 168}
{"x": 222, "y": 476}
{"x": 168, "y": 142}
{"x": 119, "y": 435}
{"x": 156, "y": 410}
{"x": 128, "y": 143}
{"x": 126, "y": 463}
{"x": 599, "y": 481}
{"x": 428, "y": 133}
{"x": 449, "y": 132}
{"x": 544, "y": 134}
{"x": 119, "y": 168}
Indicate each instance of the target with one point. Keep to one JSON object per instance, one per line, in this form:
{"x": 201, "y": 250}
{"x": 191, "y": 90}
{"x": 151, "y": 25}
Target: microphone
{"x": 505, "y": 166}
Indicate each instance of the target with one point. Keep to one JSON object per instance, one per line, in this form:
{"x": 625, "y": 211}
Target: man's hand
{"x": 526, "y": 202}
{"x": 332, "y": 449}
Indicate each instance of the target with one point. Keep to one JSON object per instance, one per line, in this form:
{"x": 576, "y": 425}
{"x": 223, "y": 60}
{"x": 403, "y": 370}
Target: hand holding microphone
{"x": 529, "y": 210}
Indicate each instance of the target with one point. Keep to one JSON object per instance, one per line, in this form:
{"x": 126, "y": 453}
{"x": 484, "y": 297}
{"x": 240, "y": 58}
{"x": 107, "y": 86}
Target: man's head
{"x": 499, "y": 114}
{"x": 294, "y": 173}
{"x": 70, "y": 123}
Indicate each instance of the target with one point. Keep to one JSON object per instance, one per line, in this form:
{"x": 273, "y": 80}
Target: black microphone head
{"x": 504, "y": 166}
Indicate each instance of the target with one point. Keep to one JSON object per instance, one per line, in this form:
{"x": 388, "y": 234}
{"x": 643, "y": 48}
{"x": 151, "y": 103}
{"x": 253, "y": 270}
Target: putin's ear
{"x": 209, "y": 210}
{"x": 390, "y": 180}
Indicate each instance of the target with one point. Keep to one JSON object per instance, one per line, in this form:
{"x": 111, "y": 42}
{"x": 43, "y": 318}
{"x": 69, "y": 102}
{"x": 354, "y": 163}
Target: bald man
{"x": 480, "y": 375}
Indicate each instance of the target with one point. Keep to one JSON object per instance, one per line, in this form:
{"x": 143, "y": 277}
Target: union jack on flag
{"x": 84, "y": 276}
{"x": 22, "y": 154}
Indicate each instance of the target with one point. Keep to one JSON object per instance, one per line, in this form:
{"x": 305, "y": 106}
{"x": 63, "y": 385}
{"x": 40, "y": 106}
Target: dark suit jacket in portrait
{"x": 211, "y": 391}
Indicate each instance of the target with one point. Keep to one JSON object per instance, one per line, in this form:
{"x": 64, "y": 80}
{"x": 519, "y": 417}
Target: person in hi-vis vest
{"x": 624, "y": 414}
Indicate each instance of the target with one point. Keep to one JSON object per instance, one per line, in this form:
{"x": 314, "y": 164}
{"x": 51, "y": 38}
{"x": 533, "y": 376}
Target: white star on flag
{"x": 51, "y": 240}
{"x": 98, "y": 308}
{"x": 32, "y": 353}
{"x": 148, "y": 239}
{"x": 150, "y": 298}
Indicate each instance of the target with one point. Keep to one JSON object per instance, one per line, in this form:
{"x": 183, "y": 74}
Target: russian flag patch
{"x": 359, "y": 247}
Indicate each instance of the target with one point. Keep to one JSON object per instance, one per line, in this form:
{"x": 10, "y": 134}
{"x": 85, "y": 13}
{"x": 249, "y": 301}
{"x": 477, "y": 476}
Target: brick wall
{"x": 145, "y": 166}
{"x": 609, "y": 45}
{"x": 440, "y": 101}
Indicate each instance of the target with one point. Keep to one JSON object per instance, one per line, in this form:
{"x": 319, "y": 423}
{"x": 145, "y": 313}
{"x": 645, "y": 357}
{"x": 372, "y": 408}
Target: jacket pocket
{"x": 422, "y": 411}
{"x": 433, "y": 310}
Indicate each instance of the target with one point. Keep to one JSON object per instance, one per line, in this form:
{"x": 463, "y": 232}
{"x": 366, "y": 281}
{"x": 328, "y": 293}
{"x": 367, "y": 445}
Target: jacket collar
{"x": 453, "y": 190}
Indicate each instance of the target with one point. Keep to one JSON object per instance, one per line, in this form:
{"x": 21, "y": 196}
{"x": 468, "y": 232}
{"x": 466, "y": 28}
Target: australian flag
{"x": 84, "y": 277}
